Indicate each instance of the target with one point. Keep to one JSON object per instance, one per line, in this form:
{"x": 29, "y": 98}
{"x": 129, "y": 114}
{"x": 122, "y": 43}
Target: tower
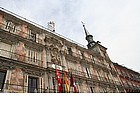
{"x": 89, "y": 38}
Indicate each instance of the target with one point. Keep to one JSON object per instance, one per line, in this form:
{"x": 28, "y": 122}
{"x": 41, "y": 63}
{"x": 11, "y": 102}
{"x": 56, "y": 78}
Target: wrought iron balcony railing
{"x": 94, "y": 77}
{"x": 20, "y": 58}
{"x": 87, "y": 59}
{"x": 15, "y": 88}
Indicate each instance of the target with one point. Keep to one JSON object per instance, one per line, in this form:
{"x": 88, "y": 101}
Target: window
{"x": 87, "y": 70}
{"x": 99, "y": 75}
{"x": 108, "y": 77}
{"x": 54, "y": 82}
{"x": 77, "y": 86}
{"x": 119, "y": 71}
{"x": 32, "y": 85}
{"x": 105, "y": 55}
{"x": 110, "y": 67}
{"x": 104, "y": 90}
{"x": 97, "y": 50}
{"x": 82, "y": 55}
{"x": 102, "y": 61}
{"x": 2, "y": 80}
{"x": 69, "y": 51}
{"x": 32, "y": 56}
{"x": 10, "y": 26}
{"x": 91, "y": 88}
{"x": 92, "y": 58}
{"x": 32, "y": 35}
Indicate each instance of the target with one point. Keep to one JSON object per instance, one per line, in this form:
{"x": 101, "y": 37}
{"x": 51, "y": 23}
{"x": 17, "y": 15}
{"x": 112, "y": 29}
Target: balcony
{"x": 113, "y": 72}
{"x": 50, "y": 65}
{"x": 111, "y": 81}
{"x": 78, "y": 73}
{"x": 76, "y": 56}
{"x": 91, "y": 77}
{"x": 95, "y": 77}
{"x": 118, "y": 83}
{"x": 85, "y": 59}
{"x": 20, "y": 58}
{"x": 99, "y": 64}
{"x": 15, "y": 88}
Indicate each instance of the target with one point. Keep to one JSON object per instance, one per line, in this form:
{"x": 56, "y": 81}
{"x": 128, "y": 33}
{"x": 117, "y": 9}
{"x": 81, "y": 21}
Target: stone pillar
{"x": 7, "y": 81}
{"x": 47, "y": 57}
{"x": 43, "y": 58}
{"x": 46, "y": 82}
{"x": 25, "y": 83}
{"x": 64, "y": 63}
{"x": 24, "y": 31}
{"x": 1, "y": 21}
{"x": 50, "y": 85}
{"x": 41, "y": 85}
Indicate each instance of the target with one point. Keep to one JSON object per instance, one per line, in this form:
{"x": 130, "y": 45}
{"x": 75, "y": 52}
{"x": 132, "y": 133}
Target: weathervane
{"x": 83, "y": 23}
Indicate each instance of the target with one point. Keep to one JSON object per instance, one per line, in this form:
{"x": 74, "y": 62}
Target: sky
{"x": 115, "y": 23}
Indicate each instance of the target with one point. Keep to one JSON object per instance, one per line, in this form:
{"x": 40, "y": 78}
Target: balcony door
{"x": 2, "y": 80}
{"x": 32, "y": 85}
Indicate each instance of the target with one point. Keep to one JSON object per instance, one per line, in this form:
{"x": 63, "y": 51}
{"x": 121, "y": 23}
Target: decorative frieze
{"x": 30, "y": 71}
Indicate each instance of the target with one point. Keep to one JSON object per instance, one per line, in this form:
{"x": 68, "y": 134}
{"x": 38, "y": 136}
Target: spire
{"x": 89, "y": 37}
{"x": 86, "y": 31}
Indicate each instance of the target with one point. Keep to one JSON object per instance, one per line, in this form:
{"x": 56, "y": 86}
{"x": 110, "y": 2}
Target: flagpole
{"x": 69, "y": 80}
{"x": 63, "y": 86}
{"x": 69, "y": 87}
{"x": 55, "y": 78}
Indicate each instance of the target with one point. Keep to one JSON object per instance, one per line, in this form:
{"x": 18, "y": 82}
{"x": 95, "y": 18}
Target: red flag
{"x": 59, "y": 81}
{"x": 72, "y": 83}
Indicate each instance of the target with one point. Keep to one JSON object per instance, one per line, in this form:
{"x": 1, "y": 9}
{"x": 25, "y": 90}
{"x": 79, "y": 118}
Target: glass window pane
{"x": 32, "y": 84}
{"x": 2, "y": 79}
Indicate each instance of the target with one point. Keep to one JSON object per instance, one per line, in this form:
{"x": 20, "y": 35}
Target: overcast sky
{"x": 115, "y": 23}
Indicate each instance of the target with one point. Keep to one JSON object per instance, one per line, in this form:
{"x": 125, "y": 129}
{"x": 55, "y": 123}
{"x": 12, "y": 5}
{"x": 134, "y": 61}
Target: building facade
{"x": 30, "y": 55}
{"x": 129, "y": 78}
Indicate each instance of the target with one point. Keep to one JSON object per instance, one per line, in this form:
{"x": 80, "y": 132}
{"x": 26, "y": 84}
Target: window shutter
{"x": 41, "y": 84}
{"x": 37, "y": 38}
{"x": 25, "y": 83}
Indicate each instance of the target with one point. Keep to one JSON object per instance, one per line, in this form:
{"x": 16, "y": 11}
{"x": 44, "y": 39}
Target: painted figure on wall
{"x": 20, "y": 53}
{"x": 16, "y": 81}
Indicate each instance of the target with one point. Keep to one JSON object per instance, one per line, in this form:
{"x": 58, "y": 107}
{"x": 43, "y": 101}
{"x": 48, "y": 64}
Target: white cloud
{"x": 114, "y": 23}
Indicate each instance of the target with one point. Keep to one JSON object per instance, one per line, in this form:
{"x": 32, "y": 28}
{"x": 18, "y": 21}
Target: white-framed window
{"x": 32, "y": 35}
{"x": 33, "y": 57}
{"x": 10, "y": 26}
